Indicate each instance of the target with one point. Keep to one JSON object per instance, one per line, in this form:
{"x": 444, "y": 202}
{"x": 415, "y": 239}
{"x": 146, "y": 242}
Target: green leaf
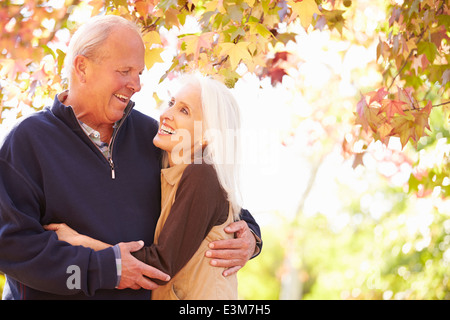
{"x": 61, "y": 57}
{"x": 258, "y": 28}
{"x": 429, "y": 49}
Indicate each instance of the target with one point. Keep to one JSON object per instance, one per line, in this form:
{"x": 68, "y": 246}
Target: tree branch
{"x": 440, "y": 104}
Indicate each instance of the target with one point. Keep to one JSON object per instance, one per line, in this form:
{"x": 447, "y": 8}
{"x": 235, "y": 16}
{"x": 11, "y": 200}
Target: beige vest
{"x": 197, "y": 280}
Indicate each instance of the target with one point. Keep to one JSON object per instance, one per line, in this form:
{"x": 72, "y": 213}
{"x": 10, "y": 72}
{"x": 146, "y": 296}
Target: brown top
{"x": 199, "y": 204}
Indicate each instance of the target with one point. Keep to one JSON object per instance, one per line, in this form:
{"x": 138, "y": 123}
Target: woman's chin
{"x": 160, "y": 143}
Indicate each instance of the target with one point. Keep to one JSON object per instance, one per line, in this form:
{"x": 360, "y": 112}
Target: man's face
{"x": 112, "y": 80}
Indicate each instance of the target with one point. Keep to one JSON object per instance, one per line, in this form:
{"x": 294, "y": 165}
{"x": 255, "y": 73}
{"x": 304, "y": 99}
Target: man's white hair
{"x": 88, "y": 39}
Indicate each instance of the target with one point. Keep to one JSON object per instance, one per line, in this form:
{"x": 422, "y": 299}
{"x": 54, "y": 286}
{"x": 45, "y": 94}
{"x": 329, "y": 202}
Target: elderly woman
{"x": 89, "y": 161}
{"x": 200, "y": 194}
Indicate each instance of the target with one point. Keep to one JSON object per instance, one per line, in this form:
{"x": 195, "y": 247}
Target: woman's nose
{"x": 166, "y": 115}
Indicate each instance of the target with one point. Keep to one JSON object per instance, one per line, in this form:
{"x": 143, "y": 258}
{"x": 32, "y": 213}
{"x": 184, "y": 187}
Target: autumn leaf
{"x": 404, "y": 128}
{"x": 377, "y": 95}
{"x": 429, "y": 49}
{"x": 236, "y": 52}
{"x": 362, "y": 103}
{"x": 171, "y": 18}
{"x": 411, "y": 126}
{"x": 250, "y": 3}
{"x": 39, "y": 75}
{"x": 151, "y": 38}
{"x": 391, "y": 107}
{"x": 60, "y": 59}
{"x": 369, "y": 117}
{"x": 305, "y": 10}
{"x": 406, "y": 95}
{"x": 194, "y": 43}
{"x": 144, "y": 7}
{"x": 384, "y": 130}
{"x": 153, "y": 56}
{"x": 422, "y": 119}
{"x": 258, "y": 28}
{"x": 445, "y": 77}
{"x": 10, "y": 67}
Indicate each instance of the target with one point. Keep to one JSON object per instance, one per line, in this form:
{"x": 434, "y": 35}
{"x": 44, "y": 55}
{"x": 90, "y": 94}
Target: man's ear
{"x": 80, "y": 68}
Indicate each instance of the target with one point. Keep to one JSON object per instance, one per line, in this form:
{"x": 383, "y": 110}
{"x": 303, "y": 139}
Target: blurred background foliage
{"x": 351, "y": 205}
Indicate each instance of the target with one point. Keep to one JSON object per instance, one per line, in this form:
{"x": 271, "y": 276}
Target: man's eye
{"x": 124, "y": 72}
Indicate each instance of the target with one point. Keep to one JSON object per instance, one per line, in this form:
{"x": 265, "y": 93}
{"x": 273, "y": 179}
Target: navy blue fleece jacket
{"x": 50, "y": 172}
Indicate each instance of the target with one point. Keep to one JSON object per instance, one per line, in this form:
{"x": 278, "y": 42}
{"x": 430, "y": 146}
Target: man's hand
{"x": 136, "y": 274}
{"x": 233, "y": 254}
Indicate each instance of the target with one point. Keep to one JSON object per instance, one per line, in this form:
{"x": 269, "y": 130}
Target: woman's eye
{"x": 184, "y": 110}
{"x": 171, "y": 103}
{"x": 124, "y": 72}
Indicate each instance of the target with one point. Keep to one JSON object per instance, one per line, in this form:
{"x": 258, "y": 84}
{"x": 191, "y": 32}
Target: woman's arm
{"x": 67, "y": 234}
{"x": 199, "y": 205}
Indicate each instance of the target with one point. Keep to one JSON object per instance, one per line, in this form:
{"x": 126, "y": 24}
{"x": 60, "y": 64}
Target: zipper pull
{"x": 111, "y": 164}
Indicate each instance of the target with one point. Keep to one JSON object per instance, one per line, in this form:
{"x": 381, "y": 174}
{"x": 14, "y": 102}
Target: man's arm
{"x": 233, "y": 254}
{"x": 34, "y": 256}
{"x": 134, "y": 274}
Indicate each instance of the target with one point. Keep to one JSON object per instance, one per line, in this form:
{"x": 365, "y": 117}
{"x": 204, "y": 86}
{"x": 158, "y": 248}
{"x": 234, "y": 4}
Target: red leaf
{"x": 377, "y": 95}
{"x": 276, "y": 75}
{"x": 391, "y": 107}
{"x": 361, "y": 105}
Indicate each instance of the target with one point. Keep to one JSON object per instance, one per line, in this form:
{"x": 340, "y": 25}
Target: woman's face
{"x": 180, "y": 128}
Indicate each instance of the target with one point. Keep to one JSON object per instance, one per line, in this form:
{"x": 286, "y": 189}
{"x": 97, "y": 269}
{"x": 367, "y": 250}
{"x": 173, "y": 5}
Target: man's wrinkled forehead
{"x": 126, "y": 47}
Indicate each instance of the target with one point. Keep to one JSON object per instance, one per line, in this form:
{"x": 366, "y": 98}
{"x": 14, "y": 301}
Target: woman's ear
{"x": 80, "y": 68}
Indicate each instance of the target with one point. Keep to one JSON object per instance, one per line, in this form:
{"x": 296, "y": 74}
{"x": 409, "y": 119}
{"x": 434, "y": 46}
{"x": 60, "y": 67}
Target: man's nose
{"x": 135, "y": 84}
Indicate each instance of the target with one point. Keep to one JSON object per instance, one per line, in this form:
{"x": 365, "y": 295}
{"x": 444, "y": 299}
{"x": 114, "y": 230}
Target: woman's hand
{"x": 65, "y": 233}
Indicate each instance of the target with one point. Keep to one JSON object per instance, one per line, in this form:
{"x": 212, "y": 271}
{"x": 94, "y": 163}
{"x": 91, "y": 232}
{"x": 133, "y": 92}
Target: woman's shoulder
{"x": 202, "y": 168}
{"x": 202, "y": 175}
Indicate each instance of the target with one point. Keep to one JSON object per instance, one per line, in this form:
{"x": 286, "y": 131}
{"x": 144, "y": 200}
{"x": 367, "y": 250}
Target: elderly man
{"x": 89, "y": 161}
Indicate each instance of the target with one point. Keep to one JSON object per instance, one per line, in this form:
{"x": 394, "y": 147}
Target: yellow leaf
{"x": 195, "y": 43}
{"x": 250, "y": 3}
{"x": 305, "y": 10}
{"x": 215, "y": 5}
{"x": 236, "y": 52}
{"x": 384, "y": 130}
{"x": 151, "y": 38}
{"x": 153, "y": 56}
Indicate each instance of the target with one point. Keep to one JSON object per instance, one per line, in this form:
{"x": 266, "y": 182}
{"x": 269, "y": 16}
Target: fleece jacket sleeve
{"x": 35, "y": 257}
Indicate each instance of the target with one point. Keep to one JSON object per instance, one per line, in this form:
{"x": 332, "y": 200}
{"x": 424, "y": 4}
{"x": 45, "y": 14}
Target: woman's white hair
{"x": 88, "y": 39}
{"x": 221, "y": 127}
{"x": 221, "y": 134}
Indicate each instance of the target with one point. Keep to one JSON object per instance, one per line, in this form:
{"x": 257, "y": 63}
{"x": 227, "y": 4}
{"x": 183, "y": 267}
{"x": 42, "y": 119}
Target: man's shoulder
{"x": 144, "y": 120}
{"x": 32, "y": 122}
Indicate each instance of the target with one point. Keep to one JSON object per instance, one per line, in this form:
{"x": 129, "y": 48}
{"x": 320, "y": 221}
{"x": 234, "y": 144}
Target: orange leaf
{"x": 403, "y": 128}
{"x": 391, "y": 107}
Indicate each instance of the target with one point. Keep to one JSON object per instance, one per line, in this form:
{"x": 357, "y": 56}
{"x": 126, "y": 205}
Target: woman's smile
{"x": 165, "y": 129}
